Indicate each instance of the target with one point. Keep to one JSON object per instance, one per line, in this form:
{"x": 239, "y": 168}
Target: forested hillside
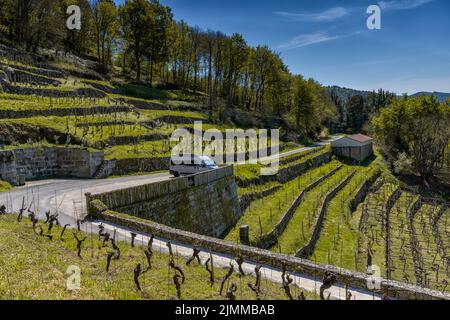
{"x": 223, "y": 71}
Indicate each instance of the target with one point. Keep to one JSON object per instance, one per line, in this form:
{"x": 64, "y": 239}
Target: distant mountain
{"x": 344, "y": 94}
{"x": 441, "y": 96}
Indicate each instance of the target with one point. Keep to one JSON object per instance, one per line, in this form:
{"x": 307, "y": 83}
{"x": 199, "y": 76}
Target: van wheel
{"x": 176, "y": 174}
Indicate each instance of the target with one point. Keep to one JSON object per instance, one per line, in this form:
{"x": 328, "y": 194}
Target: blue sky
{"x": 329, "y": 41}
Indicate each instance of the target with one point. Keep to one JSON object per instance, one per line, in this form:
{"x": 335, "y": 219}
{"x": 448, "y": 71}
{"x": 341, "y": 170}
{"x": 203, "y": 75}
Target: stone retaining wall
{"x": 21, "y": 76}
{"x": 363, "y": 191}
{"x": 62, "y": 112}
{"x": 51, "y": 73}
{"x": 124, "y": 140}
{"x": 55, "y": 93}
{"x": 205, "y": 203}
{"x": 345, "y": 277}
{"x": 39, "y": 163}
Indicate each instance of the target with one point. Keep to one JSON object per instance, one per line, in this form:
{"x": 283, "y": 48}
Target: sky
{"x": 330, "y": 42}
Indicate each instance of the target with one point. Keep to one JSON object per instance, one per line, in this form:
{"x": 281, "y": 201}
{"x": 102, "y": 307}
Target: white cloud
{"x": 327, "y": 15}
{"x": 402, "y": 4}
{"x": 304, "y": 40}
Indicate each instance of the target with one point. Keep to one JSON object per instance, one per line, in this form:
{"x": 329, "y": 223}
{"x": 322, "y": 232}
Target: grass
{"x": 21, "y": 102}
{"x": 34, "y": 268}
{"x": 257, "y": 188}
{"x": 338, "y": 240}
{"x": 145, "y": 92}
{"x": 249, "y": 172}
{"x": 265, "y": 213}
{"x": 147, "y": 149}
{"x": 300, "y": 228}
{"x": 4, "y": 186}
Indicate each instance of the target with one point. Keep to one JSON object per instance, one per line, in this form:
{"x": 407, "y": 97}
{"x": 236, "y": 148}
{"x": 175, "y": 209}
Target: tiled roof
{"x": 360, "y": 138}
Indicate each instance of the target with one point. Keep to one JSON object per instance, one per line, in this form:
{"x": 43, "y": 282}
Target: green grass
{"x": 21, "y": 102}
{"x": 147, "y": 149}
{"x": 257, "y": 188}
{"x": 337, "y": 243}
{"x": 301, "y": 226}
{"x": 267, "y": 212}
{"x": 145, "y": 92}
{"x": 34, "y": 268}
{"x": 4, "y": 186}
{"x": 249, "y": 172}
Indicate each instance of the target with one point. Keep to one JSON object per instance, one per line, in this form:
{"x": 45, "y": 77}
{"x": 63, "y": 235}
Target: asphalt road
{"x": 67, "y": 198}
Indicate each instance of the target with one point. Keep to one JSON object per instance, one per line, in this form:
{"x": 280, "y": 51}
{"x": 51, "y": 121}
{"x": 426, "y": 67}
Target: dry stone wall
{"x": 206, "y": 203}
{"x": 40, "y": 163}
{"x": 363, "y": 191}
{"x": 62, "y": 112}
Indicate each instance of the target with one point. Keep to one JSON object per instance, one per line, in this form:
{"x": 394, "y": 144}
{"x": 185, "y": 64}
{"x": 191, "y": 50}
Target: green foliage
{"x": 356, "y": 108}
{"x": 413, "y": 133}
{"x": 145, "y": 92}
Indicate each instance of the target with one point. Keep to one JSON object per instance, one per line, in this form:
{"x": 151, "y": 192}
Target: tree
{"x": 106, "y": 27}
{"x": 357, "y": 115}
{"x": 156, "y": 49}
{"x": 136, "y": 18}
{"x": 414, "y": 131}
{"x": 81, "y": 41}
{"x": 303, "y": 100}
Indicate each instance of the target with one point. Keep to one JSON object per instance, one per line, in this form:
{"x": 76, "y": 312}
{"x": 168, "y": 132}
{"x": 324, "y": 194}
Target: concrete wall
{"x": 40, "y": 163}
{"x": 345, "y": 277}
{"x": 206, "y": 203}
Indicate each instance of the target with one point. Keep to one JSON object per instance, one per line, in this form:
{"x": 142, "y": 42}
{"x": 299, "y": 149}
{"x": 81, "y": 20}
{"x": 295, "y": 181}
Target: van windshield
{"x": 209, "y": 163}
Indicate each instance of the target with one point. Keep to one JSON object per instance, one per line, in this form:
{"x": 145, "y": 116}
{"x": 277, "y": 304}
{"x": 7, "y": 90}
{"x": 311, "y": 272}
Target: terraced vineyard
{"x": 62, "y": 103}
{"x": 365, "y": 221}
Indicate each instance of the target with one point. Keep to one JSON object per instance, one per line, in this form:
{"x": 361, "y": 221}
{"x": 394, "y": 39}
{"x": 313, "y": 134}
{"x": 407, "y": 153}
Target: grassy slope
{"x": 338, "y": 240}
{"x": 34, "y": 268}
{"x": 269, "y": 210}
{"x": 4, "y": 186}
{"x": 251, "y": 171}
{"x": 300, "y": 228}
